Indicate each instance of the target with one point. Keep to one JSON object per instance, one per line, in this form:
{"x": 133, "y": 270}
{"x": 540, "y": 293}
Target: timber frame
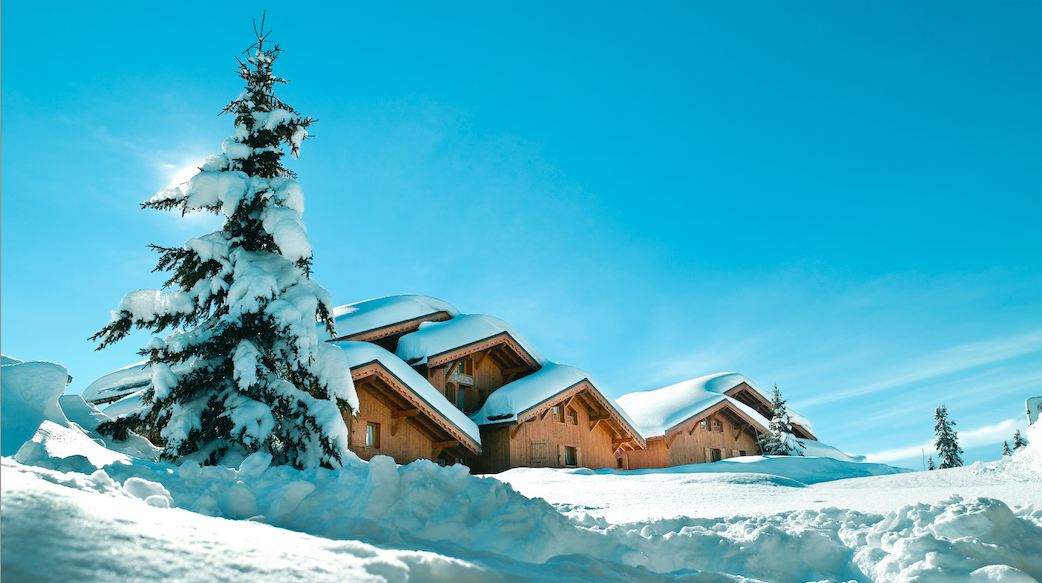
{"x": 600, "y": 414}
{"x": 409, "y": 408}
{"x": 387, "y": 336}
{"x": 506, "y": 352}
{"x": 746, "y": 395}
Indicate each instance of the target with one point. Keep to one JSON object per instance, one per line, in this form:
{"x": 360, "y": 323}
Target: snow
{"x": 514, "y": 399}
{"x": 30, "y": 397}
{"x": 657, "y": 412}
{"x": 75, "y": 509}
{"x": 122, "y": 382}
{"x": 380, "y": 312}
{"x": 362, "y": 353}
{"x": 434, "y": 338}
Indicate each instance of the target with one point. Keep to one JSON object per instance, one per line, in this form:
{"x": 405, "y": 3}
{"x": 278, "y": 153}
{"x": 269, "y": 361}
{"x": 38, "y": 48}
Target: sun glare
{"x": 182, "y": 174}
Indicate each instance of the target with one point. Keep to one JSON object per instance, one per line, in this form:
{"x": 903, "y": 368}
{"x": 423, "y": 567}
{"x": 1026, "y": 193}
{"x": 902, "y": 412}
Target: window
{"x": 704, "y": 426}
{"x": 461, "y": 399}
{"x": 372, "y": 435}
{"x": 570, "y": 459}
{"x": 718, "y": 427}
{"x": 618, "y": 462}
{"x": 571, "y": 417}
{"x": 741, "y": 452}
{"x": 557, "y": 414}
{"x": 466, "y": 366}
{"x": 717, "y": 455}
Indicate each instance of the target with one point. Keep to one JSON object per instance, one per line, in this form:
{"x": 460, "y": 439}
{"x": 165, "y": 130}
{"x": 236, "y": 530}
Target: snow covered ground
{"x": 75, "y": 508}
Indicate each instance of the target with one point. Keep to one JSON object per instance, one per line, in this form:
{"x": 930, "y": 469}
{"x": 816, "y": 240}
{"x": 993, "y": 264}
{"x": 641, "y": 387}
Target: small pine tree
{"x": 1018, "y": 440}
{"x": 779, "y": 439}
{"x": 1005, "y": 449}
{"x": 930, "y": 465}
{"x": 242, "y": 306}
{"x": 947, "y": 443}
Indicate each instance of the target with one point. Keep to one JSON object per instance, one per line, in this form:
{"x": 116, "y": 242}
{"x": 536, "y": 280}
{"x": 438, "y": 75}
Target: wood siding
{"x": 407, "y": 445}
{"x": 691, "y": 444}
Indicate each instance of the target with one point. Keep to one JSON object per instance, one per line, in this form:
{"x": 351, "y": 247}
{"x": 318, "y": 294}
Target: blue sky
{"x": 841, "y": 198}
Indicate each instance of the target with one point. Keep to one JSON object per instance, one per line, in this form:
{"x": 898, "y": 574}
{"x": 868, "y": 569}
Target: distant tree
{"x": 242, "y": 306}
{"x": 1005, "y": 449}
{"x": 947, "y": 443}
{"x": 779, "y": 439}
{"x": 1018, "y": 440}
{"x": 930, "y": 465}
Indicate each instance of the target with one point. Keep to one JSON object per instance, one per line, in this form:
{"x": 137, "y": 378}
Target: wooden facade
{"x": 574, "y": 428}
{"x": 467, "y": 375}
{"x": 720, "y": 432}
{"x": 393, "y": 420}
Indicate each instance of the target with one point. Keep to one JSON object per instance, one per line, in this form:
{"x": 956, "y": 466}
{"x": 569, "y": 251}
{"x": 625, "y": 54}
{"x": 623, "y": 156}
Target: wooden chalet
{"x": 697, "y": 421}
{"x": 382, "y": 321}
{"x": 556, "y": 417}
{"x": 760, "y": 401}
{"x": 401, "y": 415}
{"x": 469, "y": 357}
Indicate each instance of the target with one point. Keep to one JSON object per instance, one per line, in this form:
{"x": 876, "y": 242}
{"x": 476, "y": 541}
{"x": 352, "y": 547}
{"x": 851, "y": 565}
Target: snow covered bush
{"x": 242, "y": 306}
{"x": 779, "y": 440}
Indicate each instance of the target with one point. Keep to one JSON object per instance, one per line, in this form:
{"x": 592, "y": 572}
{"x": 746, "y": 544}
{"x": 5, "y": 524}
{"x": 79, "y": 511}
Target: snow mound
{"x": 380, "y": 312}
{"x": 806, "y": 470}
{"x": 29, "y": 394}
{"x": 434, "y": 338}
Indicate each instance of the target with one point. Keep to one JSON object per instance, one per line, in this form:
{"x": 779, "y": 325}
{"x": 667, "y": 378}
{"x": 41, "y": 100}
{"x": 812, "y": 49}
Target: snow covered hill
{"x": 77, "y": 508}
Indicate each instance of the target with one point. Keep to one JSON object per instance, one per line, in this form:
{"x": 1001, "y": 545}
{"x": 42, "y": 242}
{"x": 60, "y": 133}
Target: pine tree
{"x": 947, "y": 443}
{"x": 1018, "y": 440}
{"x": 779, "y": 439}
{"x": 241, "y": 305}
{"x": 1005, "y": 449}
{"x": 930, "y": 465}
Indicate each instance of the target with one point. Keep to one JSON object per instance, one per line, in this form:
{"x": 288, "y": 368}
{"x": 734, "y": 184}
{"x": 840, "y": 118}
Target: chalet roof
{"x": 368, "y": 315}
{"x": 512, "y": 401}
{"x": 436, "y": 338}
{"x": 122, "y": 382}
{"x": 359, "y": 354}
{"x": 659, "y": 411}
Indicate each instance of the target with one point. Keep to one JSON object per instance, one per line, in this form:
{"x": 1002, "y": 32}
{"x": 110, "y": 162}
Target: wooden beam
{"x": 480, "y": 357}
{"x": 444, "y": 444}
{"x": 513, "y": 433}
{"x": 448, "y": 371}
{"x": 738, "y": 430}
{"x": 669, "y": 442}
{"x": 604, "y": 417}
{"x": 625, "y": 439}
{"x": 596, "y": 423}
{"x": 548, "y": 409}
{"x": 435, "y": 454}
{"x": 395, "y": 425}
{"x": 567, "y": 404}
{"x": 514, "y": 370}
{"x": 405, "y": 413}
{"x": 694, "y": 427}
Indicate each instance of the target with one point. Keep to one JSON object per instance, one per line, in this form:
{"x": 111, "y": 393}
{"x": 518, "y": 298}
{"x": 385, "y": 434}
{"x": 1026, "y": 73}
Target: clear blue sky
{"x": 841, "y": 198}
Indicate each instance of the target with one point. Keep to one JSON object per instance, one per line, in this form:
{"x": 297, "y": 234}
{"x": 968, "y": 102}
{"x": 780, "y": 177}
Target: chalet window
{"x": 466, "y": 366}
{"x": 704, "y": 426}
{"x": 741, "y": 452}
{"x": 718, "y": 427}
{"x": 557, "y": 414}
{"x": 461, "y": 399}
{"x": 570, "y": 459}
{"x": 618, "y": 462}
{"x": 372, "y": 435}
{"x": 717, "y": 455}
{"x": 571, "y": 417}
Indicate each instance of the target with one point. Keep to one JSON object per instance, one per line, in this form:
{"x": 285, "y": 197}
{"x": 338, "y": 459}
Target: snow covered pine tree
{"x": 779, "y": 440}
{"x": 931, "y": 465}
{"x": 242, "y": 306}
{"x": 947, "y": 443}
{"x": 1018, "y": 440}
{"x": 1005, "y": 450}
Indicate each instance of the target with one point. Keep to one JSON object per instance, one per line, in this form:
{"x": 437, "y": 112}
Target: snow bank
{"x": 380, "y": 312}
{"x": 658, "y": 411}
{"x": 513, "y": 399}
{"x": 361, "y": 353}
{"x": 30, "y": 392}
{"x": 434, "y": 338}
{"x": 806, "y": 470}
{"x": 124, "y": 381}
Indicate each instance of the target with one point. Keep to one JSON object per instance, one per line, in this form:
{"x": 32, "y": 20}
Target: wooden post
{"x": 400, "y": 416}
{"x": 513, "y": 433}
{"x": 669, "y": 442}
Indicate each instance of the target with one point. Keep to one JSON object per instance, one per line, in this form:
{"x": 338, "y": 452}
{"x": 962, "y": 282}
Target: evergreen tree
{"x": 947, "y": 443}
{"x": 1018, "y": 440}
{"x": 930, "y": 465}
{"x": 241, "y": 305}
{"x": 1005, "y": 449}
{"x": 779, "y": 439}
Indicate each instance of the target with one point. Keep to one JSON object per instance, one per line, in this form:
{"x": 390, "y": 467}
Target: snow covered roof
{"x": 512, "y": 401}
{"x": 657, "y": 412}
{"x": 365, "y": 316}
{"x": 362, "y": 353}
{"x": 437, "y": 338}
{"x": 725, "y": 378}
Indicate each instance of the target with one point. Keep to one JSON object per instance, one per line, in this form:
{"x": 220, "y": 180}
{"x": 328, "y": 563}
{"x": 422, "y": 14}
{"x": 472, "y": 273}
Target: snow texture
{"x": 434, "y": 338}
{"x": 91, "y": 513}
{"x": 380, "y": 312}
{"x": 361, "y": 353}
{"x": 30, "y": 397}
{"x": 122, "y": 382}
{"x": 508, "y": 402}
{"x": 659, "y": 411}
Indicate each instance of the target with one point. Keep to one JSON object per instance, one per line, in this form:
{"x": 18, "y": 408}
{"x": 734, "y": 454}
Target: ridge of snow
{"x": 512, "y": 399}
{"x": 359, "y": 353}
{"x": 435, "y": 338}
{"x": 376, "y": 313}
{"x": 124, "y": 381}
{"x": 658, "y": 411}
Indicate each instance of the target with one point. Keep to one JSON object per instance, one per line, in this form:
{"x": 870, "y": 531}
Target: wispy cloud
{"x": 943, "y": 362}
{"x": 987, "y": 435}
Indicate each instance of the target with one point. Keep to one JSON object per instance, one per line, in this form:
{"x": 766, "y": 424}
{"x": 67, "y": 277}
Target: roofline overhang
{"x": 504, "y": 337}
{"x": 711, "y": 410}
{"x": 405, "y": 326}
